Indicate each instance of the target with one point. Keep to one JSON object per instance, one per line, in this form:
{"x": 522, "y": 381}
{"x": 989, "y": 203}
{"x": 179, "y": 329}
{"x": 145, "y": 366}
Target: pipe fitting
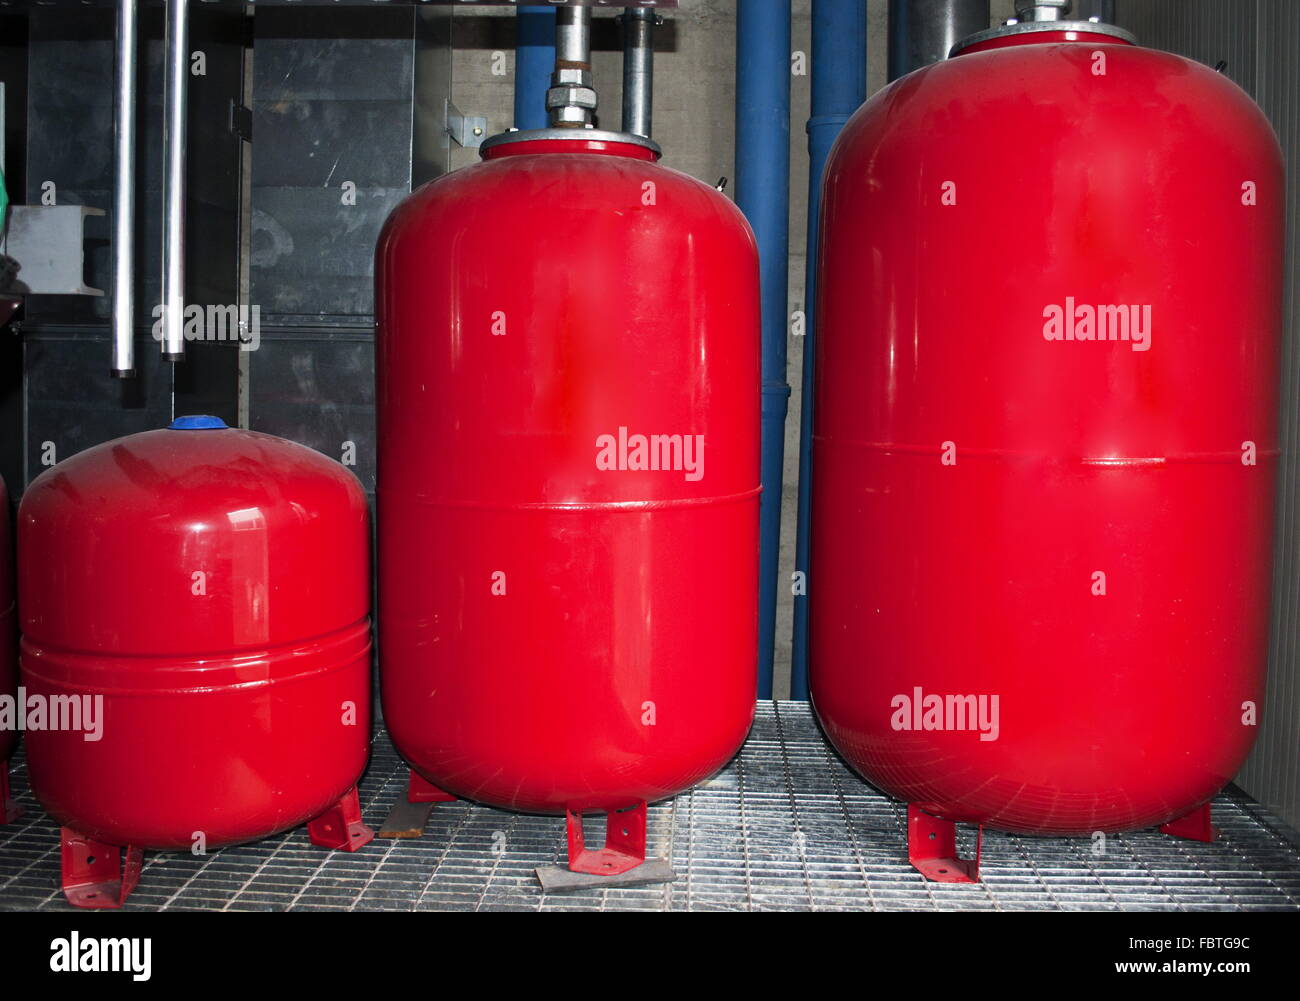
{"x": 1042, "y": 10}
{"x": 571, "y": 100}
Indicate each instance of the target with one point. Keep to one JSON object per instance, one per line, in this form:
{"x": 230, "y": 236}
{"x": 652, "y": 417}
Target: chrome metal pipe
{"x": 571, "y": 99}
{"x": 173, "y": 250}
{"x": 573, "y": 34}
{"x": 124, "y": 195}
{"x": 638, "y": 69}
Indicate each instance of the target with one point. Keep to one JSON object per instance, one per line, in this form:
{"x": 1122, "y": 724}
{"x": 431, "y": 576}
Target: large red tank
{"x": 1005, "y": 508}
{"x": 212, "y": 585}
{"x": 9, "y": 809}
{"x": 560, "y": 629}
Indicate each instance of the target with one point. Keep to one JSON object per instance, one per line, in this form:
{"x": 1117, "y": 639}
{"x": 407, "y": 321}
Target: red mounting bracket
{"x": 421, "y": 790}
{"x": 932, "y": 848}
{"x": 340, "y": 827}
{"x": 9, "y": 808}
{"x": 1194, "y": 826}
{"x": 624, "y": 842}
{"x": 95, "y": 875}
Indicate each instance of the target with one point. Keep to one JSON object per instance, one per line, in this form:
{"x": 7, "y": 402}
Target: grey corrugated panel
{"x": 785, "y": 827}
{"x": 1258, "y": 38}
{"x": 1273, "y": 773}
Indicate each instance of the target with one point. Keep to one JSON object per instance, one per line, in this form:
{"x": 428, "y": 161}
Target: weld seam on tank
{"x": 239, "y": 686}
{"x": 613, "y": 506}
{"x": 344, "y": 633}
{"x": 1179, "y": 458}
{"x": 44, "y": 659}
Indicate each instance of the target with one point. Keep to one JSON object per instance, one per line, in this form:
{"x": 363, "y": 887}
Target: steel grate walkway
{"x": 785, "y": 826}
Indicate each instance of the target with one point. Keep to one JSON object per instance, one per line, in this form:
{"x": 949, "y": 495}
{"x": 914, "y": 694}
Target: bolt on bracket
{"x": 469, "y": 131}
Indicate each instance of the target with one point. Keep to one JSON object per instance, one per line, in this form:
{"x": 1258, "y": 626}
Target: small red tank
{"x": 197, "y": 599}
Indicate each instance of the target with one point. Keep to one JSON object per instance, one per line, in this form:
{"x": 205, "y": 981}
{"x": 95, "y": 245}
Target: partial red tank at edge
{"x": 1082, "y": 529}
{"x": 9, "y": 810}
{"x": 212, "y": 586}
{"x": 557, "y": 636}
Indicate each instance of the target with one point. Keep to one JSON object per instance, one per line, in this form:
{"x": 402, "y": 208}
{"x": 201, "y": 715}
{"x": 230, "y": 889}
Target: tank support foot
{"x": 624, "y": 842}
{"x": 340, "y": 827}
{"x": 1194, "y": 826}
{"x": 9, "y": 808}
{"x": 408, "y": 816}
{"x": 932, "y": 849}
{"x": 96, "y": 875}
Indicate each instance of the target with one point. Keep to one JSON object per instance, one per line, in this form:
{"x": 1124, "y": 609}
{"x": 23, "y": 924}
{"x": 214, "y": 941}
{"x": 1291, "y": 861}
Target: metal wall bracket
{"x": 468, "y": 131}
{"x": 48, "y": 245}
{"x": 241, "y": 121}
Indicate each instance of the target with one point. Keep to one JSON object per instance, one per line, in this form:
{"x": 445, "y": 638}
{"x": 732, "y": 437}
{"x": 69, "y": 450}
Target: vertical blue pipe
{"x": 763, "y": 194}
{"x": 534, "y": 60}
{"x": 839, "y": 85}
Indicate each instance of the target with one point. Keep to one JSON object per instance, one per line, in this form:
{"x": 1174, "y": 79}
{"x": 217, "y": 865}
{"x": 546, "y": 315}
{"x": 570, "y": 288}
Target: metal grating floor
{"x": 785, "y": 826}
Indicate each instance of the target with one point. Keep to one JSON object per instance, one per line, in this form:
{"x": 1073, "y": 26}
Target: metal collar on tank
{"x": 571, "y": 100}
{"x": 587, "y": 134}
{"x": 1044, "y": 15}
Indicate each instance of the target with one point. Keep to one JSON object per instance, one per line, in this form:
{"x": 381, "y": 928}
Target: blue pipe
{"x": 763, "y": 194}
{"x": 534, "y": 60}
{"x": 839, "y": 85}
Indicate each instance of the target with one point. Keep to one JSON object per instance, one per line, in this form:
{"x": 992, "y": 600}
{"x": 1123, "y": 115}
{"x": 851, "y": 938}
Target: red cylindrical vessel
{"x": 8, "y": 656}
{"x": 562, "y": 630}
{"x": 1046, "y": 433}
{"x": 208, "y": 589}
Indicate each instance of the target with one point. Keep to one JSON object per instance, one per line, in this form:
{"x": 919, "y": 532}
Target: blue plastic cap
{"x": 198, "y": 422}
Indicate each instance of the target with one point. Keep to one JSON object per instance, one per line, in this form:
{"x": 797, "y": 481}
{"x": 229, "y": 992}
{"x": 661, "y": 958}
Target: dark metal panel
{"x": 73, "y": 402}
{"x": 69, "y": 399}
{"x": 318, "y": 389}
{"x": 430, "y": 143}
{"x": 70, "y": 115}
{"x": 312, "y": 256}
{"x": 332, "y": 140}
{"x": 13, "y": 116}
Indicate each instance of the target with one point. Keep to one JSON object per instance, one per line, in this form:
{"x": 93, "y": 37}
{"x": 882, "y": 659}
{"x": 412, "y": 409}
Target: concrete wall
{"x": 694, "y": 122}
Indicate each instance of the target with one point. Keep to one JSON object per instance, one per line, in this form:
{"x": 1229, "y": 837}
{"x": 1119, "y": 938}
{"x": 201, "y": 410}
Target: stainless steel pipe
{"x": 173, "y": 249}
{"x": 638, "y": 70}
{"x": 124, "y": 194}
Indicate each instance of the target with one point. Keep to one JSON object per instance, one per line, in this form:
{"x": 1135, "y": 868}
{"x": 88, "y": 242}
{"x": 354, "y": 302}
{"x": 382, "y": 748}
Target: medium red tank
{"x": 1046, "y": 437}
{"x": 568, "y": 481}
{"x": 197, "y": 600}
{"x": 9, "y": 809}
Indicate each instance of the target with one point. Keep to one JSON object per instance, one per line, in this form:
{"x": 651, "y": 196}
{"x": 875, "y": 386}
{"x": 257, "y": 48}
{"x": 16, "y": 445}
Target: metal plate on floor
{"x": 560, "y": 879}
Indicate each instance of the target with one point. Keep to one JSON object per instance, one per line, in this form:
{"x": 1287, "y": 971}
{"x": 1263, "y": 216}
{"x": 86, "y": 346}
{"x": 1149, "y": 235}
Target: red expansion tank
{"x": 568, "y": 403}
{"x": 1046, "y": 437}
{"x": 9, "y": 810}
{"x": 212, "y": 586}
